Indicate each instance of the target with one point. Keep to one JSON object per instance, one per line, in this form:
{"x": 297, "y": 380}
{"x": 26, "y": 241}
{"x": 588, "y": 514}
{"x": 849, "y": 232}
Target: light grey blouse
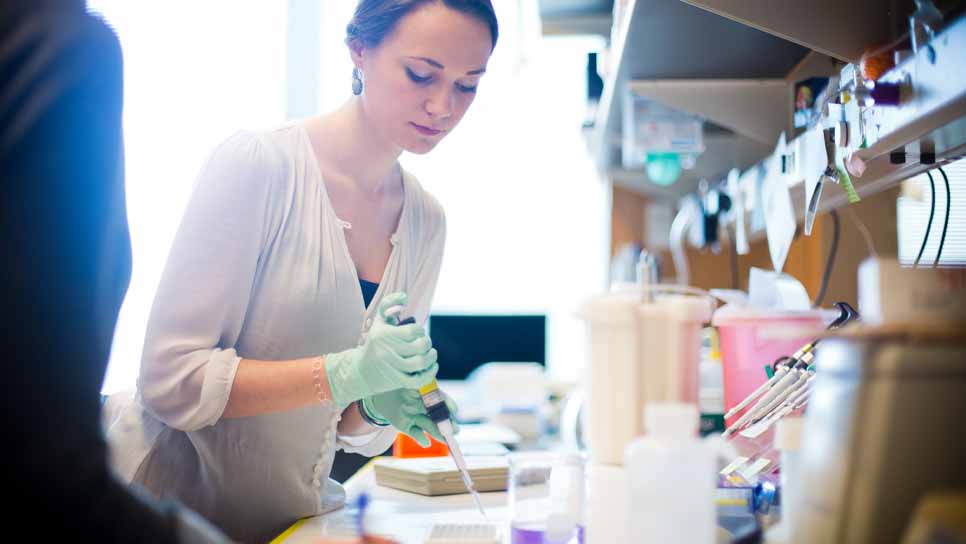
{"x": 259, "y": 269}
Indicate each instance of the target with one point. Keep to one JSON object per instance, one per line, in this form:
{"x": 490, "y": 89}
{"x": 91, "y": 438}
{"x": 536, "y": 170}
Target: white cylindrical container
{"x": 611, "y": 375}
{"x": 641, "y": 351}
{"x": 670, "y": 479}
{"x": 670, "y": 341}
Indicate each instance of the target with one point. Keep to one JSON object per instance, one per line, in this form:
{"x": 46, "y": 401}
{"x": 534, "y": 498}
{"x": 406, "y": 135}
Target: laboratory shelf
{"x": 930, "y": 120}
{"x": 730, "y": 150}
{"x": 838, "y": 29}
{"x": 658, "y": 43}
{"x": 756, "y": 108}
{"x": 735, "y": 67}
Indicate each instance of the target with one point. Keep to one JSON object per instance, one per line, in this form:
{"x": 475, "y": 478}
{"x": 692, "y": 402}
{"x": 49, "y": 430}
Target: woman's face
{"x": 422, "y": 78}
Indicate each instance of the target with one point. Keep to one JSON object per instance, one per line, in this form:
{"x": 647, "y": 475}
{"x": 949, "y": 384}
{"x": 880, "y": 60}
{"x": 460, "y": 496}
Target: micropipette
{"x": 778, "y": 375}
{"x": 805, "y": 377}
{"x": 439, "y": 413}
{"x": 787, "y": 381}
{"x": 782, "y": 399}
{"x": 780, "y": 371}
{"x": 788, "y": 388}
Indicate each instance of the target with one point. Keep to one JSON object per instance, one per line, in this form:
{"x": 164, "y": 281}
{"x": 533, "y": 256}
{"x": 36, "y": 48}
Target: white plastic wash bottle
{"x": 670, "y": 479}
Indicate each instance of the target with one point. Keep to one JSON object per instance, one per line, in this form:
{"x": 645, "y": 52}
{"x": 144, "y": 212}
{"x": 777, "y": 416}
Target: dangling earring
{"x": 356, "y": 81}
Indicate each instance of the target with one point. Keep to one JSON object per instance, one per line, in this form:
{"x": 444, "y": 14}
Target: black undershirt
{"x": 346, "y": 464}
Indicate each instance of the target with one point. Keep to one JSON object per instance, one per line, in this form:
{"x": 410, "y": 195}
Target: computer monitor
{"x": 465, "y": 342}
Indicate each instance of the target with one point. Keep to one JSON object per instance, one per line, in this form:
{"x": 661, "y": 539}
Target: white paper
{"x": 812, "y": 160}
{"x": 738, "y": 209}
{"x": 779, "y": 216}
{"x": 776, "y": 291}
{"x": 792, "y": 294}
{"x": 730, "y": 296}
{"x": 757, "y": 183}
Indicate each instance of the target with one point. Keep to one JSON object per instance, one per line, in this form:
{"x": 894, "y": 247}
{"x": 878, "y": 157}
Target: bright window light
{"x": 913, "y": 215}
{"x": 194, "y": 73}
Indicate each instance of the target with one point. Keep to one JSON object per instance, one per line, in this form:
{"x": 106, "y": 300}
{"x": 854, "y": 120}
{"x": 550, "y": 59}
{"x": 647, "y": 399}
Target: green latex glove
{"x": 392, "y": 357}
{"x": 404, "y": 410}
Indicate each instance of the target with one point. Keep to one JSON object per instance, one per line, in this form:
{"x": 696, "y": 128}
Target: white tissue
{"x": 776, "y": 291}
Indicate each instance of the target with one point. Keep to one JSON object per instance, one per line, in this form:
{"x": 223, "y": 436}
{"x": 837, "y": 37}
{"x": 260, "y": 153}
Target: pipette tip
{"x": 474, "y": 493}
{"x": 476, "y": 497}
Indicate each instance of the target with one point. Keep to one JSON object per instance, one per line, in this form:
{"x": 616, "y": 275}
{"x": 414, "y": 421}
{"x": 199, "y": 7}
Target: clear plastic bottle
{"x": 670, "y": 479}
{"x": 788, "y": 439}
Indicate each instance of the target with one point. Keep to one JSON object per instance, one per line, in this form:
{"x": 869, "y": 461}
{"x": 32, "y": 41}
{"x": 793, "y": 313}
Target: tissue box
{"x": 891, "y": 293}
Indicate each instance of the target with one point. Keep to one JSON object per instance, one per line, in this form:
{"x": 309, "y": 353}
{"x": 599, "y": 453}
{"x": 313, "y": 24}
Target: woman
{"x": 268, "y": 346}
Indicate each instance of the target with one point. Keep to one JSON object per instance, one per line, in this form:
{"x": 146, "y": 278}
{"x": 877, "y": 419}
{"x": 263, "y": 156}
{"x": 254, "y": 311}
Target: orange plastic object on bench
{"x": 407, "y": 447}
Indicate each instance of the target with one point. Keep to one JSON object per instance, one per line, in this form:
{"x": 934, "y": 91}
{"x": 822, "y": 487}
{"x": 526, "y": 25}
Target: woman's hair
{"x": 376, "y": 19}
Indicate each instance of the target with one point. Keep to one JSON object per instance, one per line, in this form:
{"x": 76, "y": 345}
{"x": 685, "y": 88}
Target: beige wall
{"x": 878, "y": 213}
{"x": 627, "y": 218}
{"x": 806, "y": 258}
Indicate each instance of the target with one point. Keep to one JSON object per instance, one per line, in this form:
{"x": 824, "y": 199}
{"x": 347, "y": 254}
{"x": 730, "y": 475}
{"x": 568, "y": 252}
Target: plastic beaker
{"x": 547, "y": 498}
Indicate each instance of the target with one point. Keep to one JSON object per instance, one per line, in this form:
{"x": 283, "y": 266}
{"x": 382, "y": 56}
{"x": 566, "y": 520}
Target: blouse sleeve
{"x": 189, "y": 359}
{"x": 370, "y": 444}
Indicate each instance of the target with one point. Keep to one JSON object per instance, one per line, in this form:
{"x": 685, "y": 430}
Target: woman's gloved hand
{"x": 404, "y": 410}
{"x": 392, "y": 357}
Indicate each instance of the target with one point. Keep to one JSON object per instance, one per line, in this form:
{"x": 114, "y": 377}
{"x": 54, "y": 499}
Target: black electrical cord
{"x": 932, "y": 212}
{"x": 830, "y": 262}
{"x": 949, "y": 203}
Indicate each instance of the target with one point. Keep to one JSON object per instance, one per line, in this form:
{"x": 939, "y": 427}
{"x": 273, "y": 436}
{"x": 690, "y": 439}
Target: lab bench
{"x": 409, "y": 517}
